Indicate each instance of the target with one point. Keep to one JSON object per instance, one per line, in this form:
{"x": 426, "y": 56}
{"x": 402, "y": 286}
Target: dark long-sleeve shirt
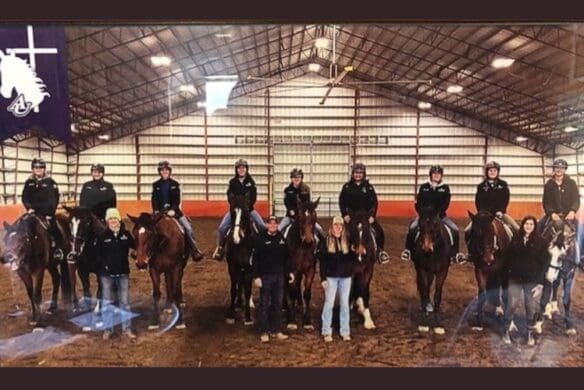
{"x": 358, "y": 197}
{"x": 527, "y": 262}
{"x": 248, "y": 185}
{"x": 170, "y": 201}
{"x": 270, "y": 255}
{"x": 112, "y": 252}
{"x": 42, "y": 195}
{"x": 437, "y": 196}
{"x": 98, "y": 196}
{"x": 492, "y": 196}
{"x": 336, "y": 264}
{"x": 560, "y": 199}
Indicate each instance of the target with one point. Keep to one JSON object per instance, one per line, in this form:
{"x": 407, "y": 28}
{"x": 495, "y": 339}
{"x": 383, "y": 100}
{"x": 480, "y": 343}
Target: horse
{"x": 238, "y": 250}
{"x": 431, "y": 260}
{"x": 562, "y": 269}
{"x": 16, "y": 73}
{"x": 84, "y": 228}
{"x": 161, "y": 247}
{"x": 27, "y": 249}
{"x": 302, "y": 247}
{"x": 361, "y": 239}
{"x": 487, "y": 242}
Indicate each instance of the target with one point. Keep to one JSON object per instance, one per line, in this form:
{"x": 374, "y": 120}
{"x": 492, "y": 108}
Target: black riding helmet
{"x": 97, "y": 167}
{"x": 38, "y": 162}
{"x": 436, "y": 169}
{"x": 164, "y": 165}
{"x": 492, "y": 164}
{"x": 241, "y": 163}
{"x": 359, "y": 167}
{"x": 296, "y": 172}
{"x": 560, "y": 163}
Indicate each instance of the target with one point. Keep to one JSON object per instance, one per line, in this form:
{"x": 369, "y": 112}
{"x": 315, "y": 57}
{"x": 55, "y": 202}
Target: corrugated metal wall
{"x": 15, "y": 167}
{"x": 391, "y": 139}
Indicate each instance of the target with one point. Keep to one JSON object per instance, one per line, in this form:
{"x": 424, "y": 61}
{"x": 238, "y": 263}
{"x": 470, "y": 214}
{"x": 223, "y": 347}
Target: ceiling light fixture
{"x": 160, "y": 60}
{"x": 521, "y": 138}
{"x": 321, "y": 43}
{"x": 314, "y": 67}
{"x": 570, "y": 129}
{"x": 424, "y": 105}
{"x": 103, "y": 137}
{"x": 454, "y": 88}
{"x": 502, "y": 62}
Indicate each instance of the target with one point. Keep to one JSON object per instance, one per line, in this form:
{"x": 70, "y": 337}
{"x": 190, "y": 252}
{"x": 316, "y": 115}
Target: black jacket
{"x": 98, "y": 196}
{"x": 112, "y": 252}
{"x": 337, "y": 264}
{"x": 492, "y": 196}
{"x": 527, "y": 262}
{"x": 355, "y": 198}
{"x": 41, "y": 195}
{"x": 270, "y": 255}
{"x": 560, "y": 199}
{"x": 291, "y": 193}
{"x": 174, "y": 197}
{"x": 241, "y": 188}
{"x": 437, "y": 197}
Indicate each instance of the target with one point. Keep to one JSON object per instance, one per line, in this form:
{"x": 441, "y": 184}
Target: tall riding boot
{"x": 383, "y": 257}
{"x": 56, "y": 239}
{"x": 196, "y": 254}
{"x": 218, "y": 254}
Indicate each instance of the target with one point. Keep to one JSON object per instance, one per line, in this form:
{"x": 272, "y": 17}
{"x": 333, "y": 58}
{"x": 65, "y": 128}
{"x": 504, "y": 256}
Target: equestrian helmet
{"x": 436, "y": 169}
{"x": 97, "y": 167}
{"x": 560, "y": 163}
{"x": 164, "y": 165}
{"x": 359, "y": 167}
{"x": 296, "y": 172}
{"x": 241, "y": 163}
{"x": 38, "y": 162}
{"x": 492, "y": 164}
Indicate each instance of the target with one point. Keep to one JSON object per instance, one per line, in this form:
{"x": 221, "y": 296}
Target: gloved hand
{"x": 536, "y": 291}
{"x": 292, "y": 279}
{"x": 555, "y": 217}
{"x": 156, "y": 212}
{"x": 371, "y": 220}
{"x": 499, "y": 214}
{"x": 571, "y": 215}
{"x": 347, "y": 218}
{"x": 324, "y": 284}
{"x": 292, "y": 212}
{"x": 257, "y": 282}
{"x": 30, "y": 211}
{"x": 170, "y": 213}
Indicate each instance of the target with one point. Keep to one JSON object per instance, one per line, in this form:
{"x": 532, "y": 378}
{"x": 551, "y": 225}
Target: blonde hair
{"x": 335, "y": 244}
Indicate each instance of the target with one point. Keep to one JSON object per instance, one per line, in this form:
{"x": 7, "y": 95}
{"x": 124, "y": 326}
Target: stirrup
{"x": 218, "y": 254}
{"x": 406, "y": 255}
{"x": 460, "y": 258}
{"x": 58, "y": 254}
{"x": 383, "y": 257}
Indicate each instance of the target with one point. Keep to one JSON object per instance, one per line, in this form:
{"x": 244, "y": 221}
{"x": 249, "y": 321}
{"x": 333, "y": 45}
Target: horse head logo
{"x": 16, "y": 74}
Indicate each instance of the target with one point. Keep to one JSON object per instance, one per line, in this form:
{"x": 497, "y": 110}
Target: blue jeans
{"x": 271, "y": 295}
{"x": 343, "y": 286}
{"x": 184, "y": 222}
{"x": 288, "y": 221}
{"x": 121, "y": 282}
{"x": 226, "y": 222}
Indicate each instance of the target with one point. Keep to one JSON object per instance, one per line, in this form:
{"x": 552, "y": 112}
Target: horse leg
{"x": 424, "y": 293}
{"x": 292, "y": 292}
{"x": 544, "y": 300}
{"x": 72, "y": 272}
{"x": 566, "y": 300}
{"x": 168, "y": 284}
{"x": 361, "y": 295}
{"x": 307, "y": 295}
{"x": 482, "y": 297}
{"x": 83, "y": 273}
{"x": 56, "y": 279}
{"x": 233, "y": 293}
{"x": 37, "y": 293}
{"x": 176, "y": 280}
{"x": 246, "y": 287}
{"x": 155, "y": 276}
{"x": 28, "y": 284}
{"x": 369, "y": 324}
{"x": 440, "y": 279}
{"x": 493, "y": 293}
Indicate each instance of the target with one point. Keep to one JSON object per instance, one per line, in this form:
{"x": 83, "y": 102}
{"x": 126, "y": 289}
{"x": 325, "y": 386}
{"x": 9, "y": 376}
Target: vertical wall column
{"x": 206, "y": 136}
{"x": 76, "y": 177}
{"x": 417, "y": 157}
{"x": 355, "y": 140}
{"x": 270, "y": 154}
{"x": 486, "y": 152}
{"x": 138, "y": 169}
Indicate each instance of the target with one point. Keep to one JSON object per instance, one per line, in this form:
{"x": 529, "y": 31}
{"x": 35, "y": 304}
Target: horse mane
{"x": 10, "y": 58}
{"x": 147, "y": 221}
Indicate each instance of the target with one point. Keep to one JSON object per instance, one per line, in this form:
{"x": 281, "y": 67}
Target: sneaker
{"x": 530, "y": 339}
{"x": 129, "y": 334}
{"x": 280, "y": 336}
{"x": 218, "y": 254}
{"x": 383, "y": 257}
{"x": 328, "y": 338}
{"x": 346, "y": 338}
{"x": 406, "y": 255}
{"x": 264, "y": 338}
{"x": 107, "y": 335}
{"x": 506, "y": 338}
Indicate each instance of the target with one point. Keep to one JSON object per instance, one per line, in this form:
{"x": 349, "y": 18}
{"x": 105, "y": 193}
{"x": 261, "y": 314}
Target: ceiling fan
{"x": 335, "y": 78}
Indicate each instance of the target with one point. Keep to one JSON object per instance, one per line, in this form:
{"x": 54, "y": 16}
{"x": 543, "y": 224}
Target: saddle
{"x": 448, "y": 230}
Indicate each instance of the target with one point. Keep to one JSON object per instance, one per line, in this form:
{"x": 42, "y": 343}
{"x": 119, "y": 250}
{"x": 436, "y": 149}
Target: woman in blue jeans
{"x": 112, "y": 248}
{"x": 337, "y": 263}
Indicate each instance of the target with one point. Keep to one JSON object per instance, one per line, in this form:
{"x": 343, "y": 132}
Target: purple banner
{"x": 34, "y": 92}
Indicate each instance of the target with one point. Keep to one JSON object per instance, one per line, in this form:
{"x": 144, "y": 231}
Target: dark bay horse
{"x": 238, "y": 249}
{"x": 84, "y": 228}
{"x": 161, "y": 247}
{"x": 562, "y": 238}
{"x": 431, "y": 259}
{"x": 487, "y": 242}
{"x": 27, "y": 249}
{"x": 361, "y": 239}
{"x": 302, "y": 245}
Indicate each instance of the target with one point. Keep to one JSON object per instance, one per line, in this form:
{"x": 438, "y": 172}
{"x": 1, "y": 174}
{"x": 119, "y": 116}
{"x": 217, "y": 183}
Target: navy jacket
{"x": 112, "y": 252}
{"x": 42, "y": 195}
{"x": 241, "y": 188}
{"x": 492, "y": 196}
{"x": 560, "y": 199}
{"x": 270, "y": 255}
{"x": 98, "y": 196}
{"x": 437, "y": 197}
{"x": 174, "y": 197}
{"x": 354, "y": 198}
{"x": 291, "y": 194}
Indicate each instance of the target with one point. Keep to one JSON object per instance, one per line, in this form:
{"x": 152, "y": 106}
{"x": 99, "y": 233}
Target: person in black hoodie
{"x": 525, "y": 265}
{"x": 242, "y": 183}
{"x": 337, "y": 263}
{"x": 270, "y": 262}
{"x": 98, "y": 195}
{"x": 112, "y": 249}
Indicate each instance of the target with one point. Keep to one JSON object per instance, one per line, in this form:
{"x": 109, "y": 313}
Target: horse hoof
{"x": 571, "y": 331}
{"x": 423, "y": 329}
{"x": 86, "y": 329}
{"x": 369, "y": 326}
{"x": 153, "y": 327}
{"x": 439, "y": 330}
{"x": 248, "y": 323}
{"x": 538, "y": 327}
{"x": 477, "y": 328}
{"x": 181, "y": 326}
{"x": 499, "y": 311}
{"x": 308, "y": 327}
{"x": 292, "y": 327}
{"x": 230, "y": 321}
{"x": 547, "y": 315}
{"x": 38, "y": 329}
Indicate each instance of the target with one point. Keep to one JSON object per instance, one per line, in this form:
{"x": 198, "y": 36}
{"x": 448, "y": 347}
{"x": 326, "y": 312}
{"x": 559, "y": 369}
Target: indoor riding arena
{"x": 398, "y": 98}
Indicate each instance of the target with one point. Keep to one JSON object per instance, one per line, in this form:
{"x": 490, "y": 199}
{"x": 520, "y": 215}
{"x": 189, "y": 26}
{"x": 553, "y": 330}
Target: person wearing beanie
{"x": 112, "y": 249}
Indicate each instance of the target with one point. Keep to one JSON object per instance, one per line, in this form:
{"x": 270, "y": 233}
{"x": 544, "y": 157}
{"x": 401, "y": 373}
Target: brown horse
{"x": 302, "y": 246}
{"x": 431, "y": 259}
{"x": 161, "y": 247}
{"x": 27, "y": 249}
{"x": 487, "y": 242}
{"x": 361, "y": 238}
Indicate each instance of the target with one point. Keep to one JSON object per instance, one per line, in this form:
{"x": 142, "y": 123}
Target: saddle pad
{"x": 449, "y": 234}
{"x": 180, "y": 228}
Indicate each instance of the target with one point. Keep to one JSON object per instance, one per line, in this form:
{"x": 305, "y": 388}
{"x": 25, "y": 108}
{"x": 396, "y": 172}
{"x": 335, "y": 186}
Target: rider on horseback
{"x": 98, "y": 195}
{"x": 241, "y": 184}
{"x": 434, "y": 193}
{"x": 493, "y": 196}
{"x": 166, "y": 197}
{"x": 40, "y": 196}
{"x": 359, "y": 195}
{"x": 296, "y": 190}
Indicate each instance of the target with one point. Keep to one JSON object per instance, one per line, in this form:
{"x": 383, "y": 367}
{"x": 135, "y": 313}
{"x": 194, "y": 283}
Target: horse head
{"x": 84, "y": 227}
{"x": 146, "y": 237}
{"x": 430, "y": 229}
{"x": 561, "y": 248}
{"x": 5, "y": 86}
{"x": 240, "y": 217}
{"x": 484, "y": 243}
{"x": 19, "y": 241}
{"x": 360, "y": 235}
{"x": 306, "y": 219}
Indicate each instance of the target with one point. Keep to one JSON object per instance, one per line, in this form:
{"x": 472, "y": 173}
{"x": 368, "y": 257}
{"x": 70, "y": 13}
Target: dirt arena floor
{"x": 209, "y": 342}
